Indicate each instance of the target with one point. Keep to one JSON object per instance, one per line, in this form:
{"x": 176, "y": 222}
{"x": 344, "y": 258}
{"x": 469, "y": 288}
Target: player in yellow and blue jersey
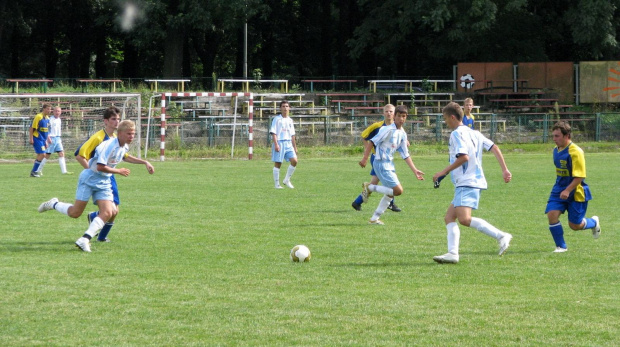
{"x": 389, "y": 140}
{"x": 367, "y": 134}
{"x": 570, "y": 192}
{"x": 468, "y": 118}
{"x": 94, "y": 182}
{"x": 38, "y": 137}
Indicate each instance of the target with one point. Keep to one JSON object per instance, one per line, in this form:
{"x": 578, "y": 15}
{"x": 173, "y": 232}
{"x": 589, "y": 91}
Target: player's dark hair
{"x": 284, "y": 102}
{"x": 453, "y": 109}
{"x": 44, "y": 106}
{"x": 564, "y": 127}
{"x": 111, "y": 111}
{"x": 401, "y": 109}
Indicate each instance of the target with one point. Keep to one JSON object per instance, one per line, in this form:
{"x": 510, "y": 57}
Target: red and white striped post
{"x": 162, "y": 146}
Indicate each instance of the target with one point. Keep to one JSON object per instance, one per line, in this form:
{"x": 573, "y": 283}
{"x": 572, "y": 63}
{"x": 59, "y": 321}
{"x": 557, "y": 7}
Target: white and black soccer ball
{"x": 300, "y": 254}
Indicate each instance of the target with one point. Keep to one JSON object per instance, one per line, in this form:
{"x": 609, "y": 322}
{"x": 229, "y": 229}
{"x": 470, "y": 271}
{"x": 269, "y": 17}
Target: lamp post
{"x": 114, "y": 64}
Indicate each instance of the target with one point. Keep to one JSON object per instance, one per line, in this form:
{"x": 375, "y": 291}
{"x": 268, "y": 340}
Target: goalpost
{"x": 82, "y": 116}
{"x": 168, "y": 97}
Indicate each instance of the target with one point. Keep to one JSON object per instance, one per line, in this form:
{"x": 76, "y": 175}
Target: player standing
{"x": 38, "y": 137}
{"x": 54, "y": 142}
{"x": 284, "y": 146}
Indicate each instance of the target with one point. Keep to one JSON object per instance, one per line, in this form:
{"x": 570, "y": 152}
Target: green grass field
{"x": 200, "y": 256}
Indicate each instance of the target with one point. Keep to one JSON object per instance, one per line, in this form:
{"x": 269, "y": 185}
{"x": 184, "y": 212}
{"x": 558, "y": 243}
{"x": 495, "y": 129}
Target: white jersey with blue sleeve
{"x": 108, "y": 153}
{"x": 389, "y": 140}
{"x": 464, "y": 140}
{"x": 283, "y": 128}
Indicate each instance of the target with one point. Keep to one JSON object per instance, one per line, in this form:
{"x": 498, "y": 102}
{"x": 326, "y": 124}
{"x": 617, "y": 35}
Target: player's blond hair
{"x": 126, "y": 125}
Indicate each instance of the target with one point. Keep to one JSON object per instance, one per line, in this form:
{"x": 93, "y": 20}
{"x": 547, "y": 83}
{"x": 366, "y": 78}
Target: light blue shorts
{"x": 466, "y": 197}
{"x": 92, "y": 185}
{"x": 286, "y": 152}
{"x": 387, "y": 176}
{"x": 55, "y": 146}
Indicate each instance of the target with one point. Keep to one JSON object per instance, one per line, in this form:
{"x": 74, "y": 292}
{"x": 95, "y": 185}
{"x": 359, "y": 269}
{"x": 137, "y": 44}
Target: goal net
{"x": 82, "y": 116}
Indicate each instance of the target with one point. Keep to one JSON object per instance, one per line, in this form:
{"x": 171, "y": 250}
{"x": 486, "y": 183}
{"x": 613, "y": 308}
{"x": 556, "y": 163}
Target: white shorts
{"x": 55, "y": 146}
{"x": 386, "y": 173}
{"x": 466, "y": 197}
{"x": 92, "y": 185}
{"x": 286, "y": 152}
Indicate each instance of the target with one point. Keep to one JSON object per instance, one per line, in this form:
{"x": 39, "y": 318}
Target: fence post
{"x": 438, "y": 128}
{"x": 597, "y": 134}
{"x": 493, "y": 125}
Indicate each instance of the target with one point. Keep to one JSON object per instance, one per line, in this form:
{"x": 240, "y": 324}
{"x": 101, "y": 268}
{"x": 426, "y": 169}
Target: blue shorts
{"x": 39, "y": 146}
{"x": 386, "y": 173}
{"x": 92, "y": 185}
{"x": 372, "y": 168}
{"x": 576, "y": 210}
{"x": 56, "y": 145}
{"x": 286, "y": 152}
{"x": 466, "y": 197}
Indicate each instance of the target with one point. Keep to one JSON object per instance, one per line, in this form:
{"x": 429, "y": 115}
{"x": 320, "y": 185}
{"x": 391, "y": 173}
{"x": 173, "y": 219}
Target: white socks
{"x": 42, "y": 164}
{"x": 486, "y": 228}
{"x": 63, "y": 207}
{"x": 94, "y": 227}
{"x": 289, "y": 173}
{"x": 63, "y": 165}
{"x": 383, "y": 205}
{"x": 381, "y": 189}
{"x": 454, "y": 237}
{"x": 276, "y": 176}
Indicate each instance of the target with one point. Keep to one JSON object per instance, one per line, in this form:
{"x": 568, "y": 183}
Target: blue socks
{"x": 590, "y": 223}
{"x": 103, "y": 233}
{"x": 359, "y": 200}
{"x": 35, "y": 168}
{"x": 558, "y": 235}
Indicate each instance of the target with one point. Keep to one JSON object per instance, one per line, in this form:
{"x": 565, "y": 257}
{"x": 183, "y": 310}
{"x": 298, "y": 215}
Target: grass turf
{"x": 199, "y": 256}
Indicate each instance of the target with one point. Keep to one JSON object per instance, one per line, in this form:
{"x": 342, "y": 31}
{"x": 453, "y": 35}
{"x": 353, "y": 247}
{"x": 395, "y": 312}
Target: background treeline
{"x": 197, "y": 38}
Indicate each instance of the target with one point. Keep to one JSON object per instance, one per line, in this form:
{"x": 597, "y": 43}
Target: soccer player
{"x": 95, "y": 182}
{"x": 38, "y": 137}
{"x": 570, "y": 192}
{"x": 367, "y": 134}
{"x": 468, "y": 178}
{"x": 283, "y": 145}
{"x": 389, "y": 139}
{"x": 468, "y": 118}
{"x": 111, "y": 119}
{"x": 54, "y": 142}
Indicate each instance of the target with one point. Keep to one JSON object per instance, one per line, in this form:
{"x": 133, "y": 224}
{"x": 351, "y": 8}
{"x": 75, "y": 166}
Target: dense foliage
{"x": 197, "y": 38}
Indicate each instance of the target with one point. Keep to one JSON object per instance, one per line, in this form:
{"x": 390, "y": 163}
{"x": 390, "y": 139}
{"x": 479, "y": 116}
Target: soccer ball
{"x": 300, "y": 254}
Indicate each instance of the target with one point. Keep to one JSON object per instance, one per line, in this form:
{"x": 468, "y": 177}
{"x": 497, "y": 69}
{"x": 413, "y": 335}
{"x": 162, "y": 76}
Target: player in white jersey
{"x": 54, "y": 142}
{"x": 95, "y": 182}
{"x": 467, "y": 176}
{"x": 283, "y": 145}
{"x": 389, "y": 140}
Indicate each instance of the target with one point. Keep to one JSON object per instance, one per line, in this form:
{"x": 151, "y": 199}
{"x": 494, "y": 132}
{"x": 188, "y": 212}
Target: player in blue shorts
{"x": 367, "y": 134}
{"x": 570, "y": 192}
{"x": 38, "y": 137}
{"x": 54, "y": 142}
{"x": 95, "y": 182}
{"x": 389, "y": 140}
{"x": 283, "y": 145}
{"x": 466, "y": 172}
